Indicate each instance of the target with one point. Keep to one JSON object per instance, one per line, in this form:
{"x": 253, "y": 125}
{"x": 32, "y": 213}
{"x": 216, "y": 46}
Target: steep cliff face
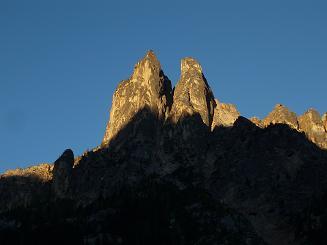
{"x": 177, "y": 167}
{"x": 192, "y": 94}
{"x": 147, "y": 88}
{"x": 312, "y": 124}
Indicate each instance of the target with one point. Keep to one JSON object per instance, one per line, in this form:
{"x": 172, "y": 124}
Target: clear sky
{"x": 60, "y": 62}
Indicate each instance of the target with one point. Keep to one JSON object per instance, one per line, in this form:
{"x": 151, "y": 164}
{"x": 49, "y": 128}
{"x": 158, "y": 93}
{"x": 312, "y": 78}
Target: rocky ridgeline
{"x": 149, "y": 88}
{"x": 20, "y": 186}
{"x": 42, "y": 171}
{"x": 177, "y": 166}
{"x": 311, "y": 123}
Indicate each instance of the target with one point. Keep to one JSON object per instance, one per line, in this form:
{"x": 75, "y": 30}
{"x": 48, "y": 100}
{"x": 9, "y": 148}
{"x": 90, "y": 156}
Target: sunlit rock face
{"x": 42, "y": 172}
{"x": 224, "y": 115}
{"x": 312, "y": 124}
{"x": 148, "y": 88}
{"x": 281, "y": 115}
{"x": 192, "y": 94}
{"x": 324, "y": 120}
{"x": 257, "y": 122}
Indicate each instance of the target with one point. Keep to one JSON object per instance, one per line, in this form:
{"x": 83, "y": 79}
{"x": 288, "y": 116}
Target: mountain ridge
{"x": 192, "y": 94}
{"x": 177, "y": 166}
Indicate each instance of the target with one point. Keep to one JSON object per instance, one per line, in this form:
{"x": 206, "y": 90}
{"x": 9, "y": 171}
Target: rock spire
{"x": 148, "y": 88}
{"x": 192, "y": 94}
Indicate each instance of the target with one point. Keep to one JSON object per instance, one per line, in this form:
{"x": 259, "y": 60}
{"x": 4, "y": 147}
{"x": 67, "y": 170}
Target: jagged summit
{"x": 192, "y": 94}
{"x": 281, "y": 114}
{"x": 149, "y": 63}
{"x": 147, "y": 87}
{"x": 189, "y": 64}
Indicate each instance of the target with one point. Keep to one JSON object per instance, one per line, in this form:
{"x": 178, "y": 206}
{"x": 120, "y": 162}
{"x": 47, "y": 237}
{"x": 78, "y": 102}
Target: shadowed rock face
{"x": 177, "y": 168}
{"x": 62, "y": 174}
{"x": 20, "y": 187}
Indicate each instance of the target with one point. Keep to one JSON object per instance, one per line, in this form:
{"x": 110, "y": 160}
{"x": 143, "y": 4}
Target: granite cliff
{"x": 177, "y": 166}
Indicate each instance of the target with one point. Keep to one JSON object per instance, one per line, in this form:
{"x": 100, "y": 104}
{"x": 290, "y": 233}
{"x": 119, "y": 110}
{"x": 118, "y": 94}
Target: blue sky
{"x": 60, "y": 62}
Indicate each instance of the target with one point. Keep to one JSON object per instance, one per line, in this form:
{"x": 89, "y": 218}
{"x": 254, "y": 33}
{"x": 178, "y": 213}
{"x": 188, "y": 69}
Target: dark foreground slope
{"x": 178, "y": 167}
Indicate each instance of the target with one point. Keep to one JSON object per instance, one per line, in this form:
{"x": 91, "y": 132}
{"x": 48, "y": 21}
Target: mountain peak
{"x": 148, "y": 66}
{"x": 224, "y": 115}
{"x": 147, "y": 87}
{"x": 192, "y": 94}
{"x": 151, "y": 56}
{"x": 312, "y": 124}
{"x": 281, "y": 115}
{"x": 189, "y": 64}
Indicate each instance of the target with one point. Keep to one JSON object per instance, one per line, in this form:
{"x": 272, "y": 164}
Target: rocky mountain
{"x": 177, "y": 166}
